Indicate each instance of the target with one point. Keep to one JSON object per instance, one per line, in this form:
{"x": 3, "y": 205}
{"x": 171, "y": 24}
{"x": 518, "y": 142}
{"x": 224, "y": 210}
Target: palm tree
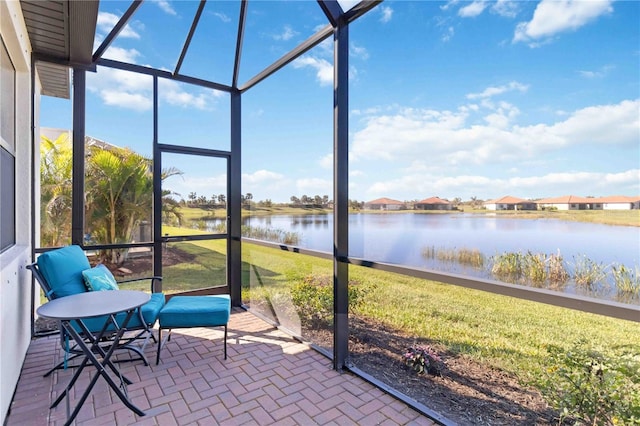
{"x": 170, "y": 205}
{"x": 192, "y": 198}
{"x": 247, "y": 200}
{"x": 118, "y": 196}
{"x": 55, "y": 191}
{"x": 119, "y": 189}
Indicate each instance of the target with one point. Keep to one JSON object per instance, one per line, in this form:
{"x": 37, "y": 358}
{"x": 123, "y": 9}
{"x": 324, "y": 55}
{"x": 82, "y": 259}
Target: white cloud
{"x": 106, "y": 21}
{"x": 503, "y": 116}
{"x": 122, "y": 55}
{"x": 135, "y": 101}
{"x": 387, "y": 13}
{"x": 451, "y": 138}
{"x": 165, "y": 6}
{"x": 575, "y": 182}
{"x": 617, "y": 124}
{"x": 448, "y": 34}
{"x": 263, "y": 182}
{"x": 449, "y": 4}
{"x": 602, "y": 72}
{"x": 499, "y": 90}
{"x": 358, "y": 51}
{"x": 444, "y": 25}
{"x": 223, "y": 17}
{"x": 505, "y": 8}
{"x": 201, "y": 185}
{"x": 121, "y": 88}
{"x": 261, "y": 176}
{"x": 556, "y": 16}
{"x": 287, "y": 34}
{"x": 323, "y": 68}
{"x": 174, "y": 94}
{"x": 473, "y": 9}
{"x": 326, "y": 162}
{"x": 314, "y": 186}
{"x": 419, "y": 185}
{"x": 134, "y": 91}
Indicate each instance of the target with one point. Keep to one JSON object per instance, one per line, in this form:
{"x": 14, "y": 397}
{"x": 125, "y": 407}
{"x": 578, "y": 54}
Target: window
{"x": 7, "y": 194}
{"x": 7, "y": 150}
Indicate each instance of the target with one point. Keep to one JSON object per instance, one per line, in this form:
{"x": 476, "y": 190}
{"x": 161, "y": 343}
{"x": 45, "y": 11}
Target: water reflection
{"x": 402, "y": 238}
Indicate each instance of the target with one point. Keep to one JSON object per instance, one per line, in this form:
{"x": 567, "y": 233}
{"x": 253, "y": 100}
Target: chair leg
{"x": 161, "y": 342}
{"x": 225, "y": 341}
{"x": 138, "y": 351}
{"x": 60, "y": 365}
{"x": 159, "y": 345}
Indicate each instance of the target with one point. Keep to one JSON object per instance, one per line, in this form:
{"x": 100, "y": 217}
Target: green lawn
{"x": 504, "y": 332}
{"x": 607, "y": 217}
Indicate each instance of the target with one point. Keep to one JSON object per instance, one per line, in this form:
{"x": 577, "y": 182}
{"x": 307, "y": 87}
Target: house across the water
{"x": 433, "y": 203}
{"x": 385, "y": 204}
{"x": 510, "y": 203}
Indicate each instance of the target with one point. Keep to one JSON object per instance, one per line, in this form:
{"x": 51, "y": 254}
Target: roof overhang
{"x": 61, "y": 33}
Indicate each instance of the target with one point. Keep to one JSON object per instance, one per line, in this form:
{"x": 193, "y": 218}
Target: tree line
{"x": 305, "y": 201}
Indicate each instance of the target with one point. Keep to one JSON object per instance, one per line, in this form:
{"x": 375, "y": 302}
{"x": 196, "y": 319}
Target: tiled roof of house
{"x": 613, "y": 199}
{"x": 384, "y": 201}
{"x": 507, "y": 199}
{"x": 567, "y": 199}
{"x": 433, "y": 200}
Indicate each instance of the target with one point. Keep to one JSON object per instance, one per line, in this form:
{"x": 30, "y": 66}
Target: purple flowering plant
{"x": 424, "y": 359}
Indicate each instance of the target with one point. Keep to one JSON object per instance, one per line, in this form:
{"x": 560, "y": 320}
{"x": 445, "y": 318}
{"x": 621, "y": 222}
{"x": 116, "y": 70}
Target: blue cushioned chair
{"x": 59, "y": 273}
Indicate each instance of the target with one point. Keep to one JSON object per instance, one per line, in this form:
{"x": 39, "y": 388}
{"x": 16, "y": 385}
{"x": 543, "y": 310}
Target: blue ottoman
{"x": 194, "y": 311}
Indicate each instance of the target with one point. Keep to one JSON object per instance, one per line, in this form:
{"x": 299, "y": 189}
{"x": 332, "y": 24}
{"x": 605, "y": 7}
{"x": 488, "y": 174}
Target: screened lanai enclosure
{"x": 172, "y": 145}
{"x": 150, "y": 167}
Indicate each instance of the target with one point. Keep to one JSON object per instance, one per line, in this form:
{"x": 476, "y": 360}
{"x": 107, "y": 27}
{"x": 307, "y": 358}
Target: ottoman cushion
{"x": 195, "y": 311}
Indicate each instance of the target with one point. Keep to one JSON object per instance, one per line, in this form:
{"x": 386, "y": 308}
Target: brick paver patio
{"x": 268, "y": 379}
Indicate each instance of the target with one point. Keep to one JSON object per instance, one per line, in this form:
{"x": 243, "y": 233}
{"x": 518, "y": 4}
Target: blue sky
{"x": 450, "y": 99}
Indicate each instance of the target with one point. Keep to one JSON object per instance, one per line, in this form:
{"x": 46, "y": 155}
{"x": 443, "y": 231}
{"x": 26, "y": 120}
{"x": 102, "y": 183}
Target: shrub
{"x": 313, "y": 298}
{"x": 423, "y": 359}
{"x": 589, "y": 386}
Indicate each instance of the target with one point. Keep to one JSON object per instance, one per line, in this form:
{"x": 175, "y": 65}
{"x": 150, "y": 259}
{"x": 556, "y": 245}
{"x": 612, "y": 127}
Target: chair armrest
{"x": 154, "y": 281}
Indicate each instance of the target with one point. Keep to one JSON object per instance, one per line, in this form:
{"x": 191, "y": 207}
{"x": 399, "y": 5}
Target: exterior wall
{"x": 15, "y": 279}
{"x": 528, "y": 206}
{"x": 561, "y": 206}
{"x": 433, "y": 207}
{"x": 384, "y": 206}
{"x": 491, "y": 206}
{"x": 617, "y": 206}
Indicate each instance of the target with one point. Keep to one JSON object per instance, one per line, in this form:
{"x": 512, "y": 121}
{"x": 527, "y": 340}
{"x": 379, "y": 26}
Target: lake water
{"x": 402, "y": 238}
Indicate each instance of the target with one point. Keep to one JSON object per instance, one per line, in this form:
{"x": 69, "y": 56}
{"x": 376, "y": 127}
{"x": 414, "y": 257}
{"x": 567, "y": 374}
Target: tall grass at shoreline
{"x": 270, "y": 234}
{"x": 463, "y": 256}
{"x": 547, "y": 271}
